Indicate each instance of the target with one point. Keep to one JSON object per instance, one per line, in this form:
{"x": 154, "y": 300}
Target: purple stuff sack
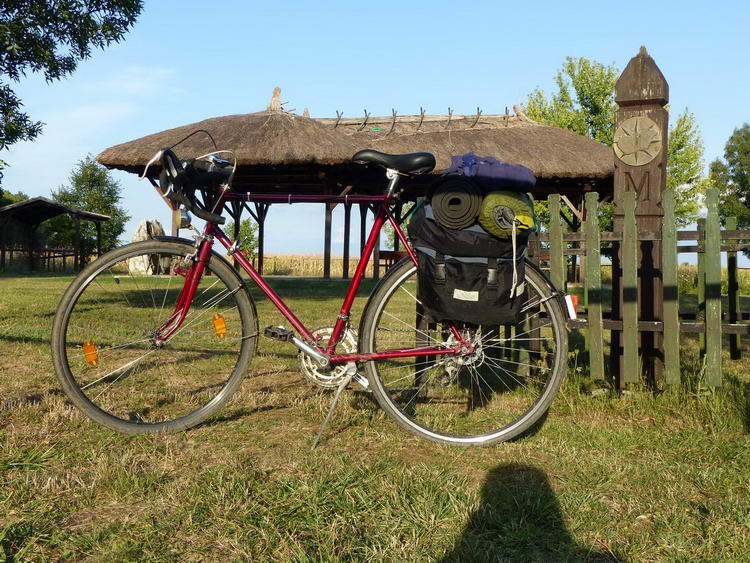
{"x": 491, "y": 174}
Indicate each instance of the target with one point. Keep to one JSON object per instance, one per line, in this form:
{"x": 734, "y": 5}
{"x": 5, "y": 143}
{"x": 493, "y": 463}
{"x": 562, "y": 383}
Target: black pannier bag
{"x": 467, "y": 275}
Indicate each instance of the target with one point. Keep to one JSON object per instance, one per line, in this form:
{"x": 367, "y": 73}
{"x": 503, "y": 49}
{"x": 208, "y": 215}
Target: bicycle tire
{"x": 428, "y": 413}
{"x": 107, "y": 306}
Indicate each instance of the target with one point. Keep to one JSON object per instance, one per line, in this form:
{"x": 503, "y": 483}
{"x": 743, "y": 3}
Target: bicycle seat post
{"x": 393, "y": 176}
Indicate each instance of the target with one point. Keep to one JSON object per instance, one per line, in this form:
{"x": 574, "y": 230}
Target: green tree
{"x": 248, "y": 239}
{"x": 585, "y": 103}
{"x": 732, "y": 177}
{"x": 6, "y": 197}
{"x": 13, "y": 233}
{"x": 91, "y": 188}
{"x": 390, "y": 234}
{"x": 685, "y": 167}
{"x": 51, "y": 37}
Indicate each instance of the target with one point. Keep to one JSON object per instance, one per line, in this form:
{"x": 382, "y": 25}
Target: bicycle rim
{"x": 492, "y": 395}
{"x": 107, "y": 356}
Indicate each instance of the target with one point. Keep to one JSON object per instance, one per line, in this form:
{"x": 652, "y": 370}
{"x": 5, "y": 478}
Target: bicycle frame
{"x": 212, "y": 232}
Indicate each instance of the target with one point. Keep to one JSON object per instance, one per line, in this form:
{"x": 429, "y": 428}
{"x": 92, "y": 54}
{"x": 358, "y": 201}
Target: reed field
{"x": 307, "y": 265}
{"x": 641, "y": 476}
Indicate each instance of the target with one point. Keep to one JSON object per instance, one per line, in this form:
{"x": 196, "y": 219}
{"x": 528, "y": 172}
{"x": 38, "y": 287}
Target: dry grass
{"x": 308, "y": 265}
{"x": 640, "y": 478}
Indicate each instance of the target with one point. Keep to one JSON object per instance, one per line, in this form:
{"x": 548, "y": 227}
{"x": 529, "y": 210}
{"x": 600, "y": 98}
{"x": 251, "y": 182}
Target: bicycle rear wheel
{"x": 105, "y": 352}
{"x": 494, "y": 394}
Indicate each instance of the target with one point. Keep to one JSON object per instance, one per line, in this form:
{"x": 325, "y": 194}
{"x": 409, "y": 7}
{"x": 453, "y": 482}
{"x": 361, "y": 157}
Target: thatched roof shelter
{"x": 39, "y": 209}
{"x": 27, "y": 215}
{"x": 278, "y": 149}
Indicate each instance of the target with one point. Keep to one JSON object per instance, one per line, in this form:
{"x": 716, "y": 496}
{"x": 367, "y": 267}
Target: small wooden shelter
{"x": 31, "y": 213}
{"x": 278, "y": 151}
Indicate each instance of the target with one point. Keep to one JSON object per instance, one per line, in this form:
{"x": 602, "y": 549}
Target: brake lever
{"x": 156, "y": 157}
{"x": 216, "y": 161}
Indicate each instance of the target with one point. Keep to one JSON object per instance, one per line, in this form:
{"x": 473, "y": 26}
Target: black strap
{"x": 492, "y": 281}
{"x": 439, "y": 268}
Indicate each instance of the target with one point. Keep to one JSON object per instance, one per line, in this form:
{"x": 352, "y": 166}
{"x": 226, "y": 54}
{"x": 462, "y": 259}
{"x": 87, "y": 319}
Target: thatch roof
{"x": 279, "y": 138}
{"x": 265, "y": 137}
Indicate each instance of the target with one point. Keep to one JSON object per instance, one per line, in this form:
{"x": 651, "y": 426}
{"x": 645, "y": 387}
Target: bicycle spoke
{"x": 131, "y": 379}
{"x": 484, "y": 391}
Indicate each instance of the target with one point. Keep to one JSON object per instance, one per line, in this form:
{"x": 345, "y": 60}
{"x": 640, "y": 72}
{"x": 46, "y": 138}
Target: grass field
{"x": 633, "y": 478}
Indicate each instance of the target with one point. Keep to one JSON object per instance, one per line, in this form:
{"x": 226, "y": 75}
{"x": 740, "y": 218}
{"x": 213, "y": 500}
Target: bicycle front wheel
{"x": 496, "y": 393}
{"x": 112, "y": 366}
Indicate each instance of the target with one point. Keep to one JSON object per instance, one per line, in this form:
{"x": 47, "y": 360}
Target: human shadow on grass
{"x": 519, "y": 519}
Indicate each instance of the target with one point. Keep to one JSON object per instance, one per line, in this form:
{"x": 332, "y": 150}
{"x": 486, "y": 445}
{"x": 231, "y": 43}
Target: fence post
{"x": 593, "y": 283}
{"x": 631, "y": 371}
{"x": 671, "y": 338}
{"x": 733, "y": 287}
{"x": 700, "y": 312}
{"x": 556, "y": 256}
{"x": 713, "y": 289}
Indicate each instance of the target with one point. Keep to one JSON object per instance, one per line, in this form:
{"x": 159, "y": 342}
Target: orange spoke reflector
{"x": 90, "y": 354}
{"x": 220, "y": 326}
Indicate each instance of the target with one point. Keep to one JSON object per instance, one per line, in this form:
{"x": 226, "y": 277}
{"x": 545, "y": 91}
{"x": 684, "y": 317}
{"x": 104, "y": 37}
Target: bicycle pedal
{"x": 278, "y": 333}
{"x": 362, "y": 380}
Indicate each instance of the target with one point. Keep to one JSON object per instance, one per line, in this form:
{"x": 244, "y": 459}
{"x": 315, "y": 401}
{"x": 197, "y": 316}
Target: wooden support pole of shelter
{"x": 593, "y": 281}
{"x": 733, "y": 294}
{"x": 76, "y": 242}
{"x": 713, "y": 289}
{"x": 3, "y": 237}
{"x": 30, "y": 246}
{"x": 327, "y": 241}
{"x": 236, "y": 214}
{"x": 347, "y": 239}
{"x": 376, "y": 259}
{"x": 671, "y": 291}
{"x": 640, "y": 156}
{"x": 261, "y": 210}
{"x": 98, "y": 239}
{"x": 397, "y": 214}
{"x": 362, "y": 228}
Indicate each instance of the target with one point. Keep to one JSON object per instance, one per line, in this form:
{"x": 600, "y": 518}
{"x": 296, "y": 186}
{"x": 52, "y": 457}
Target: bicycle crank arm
{"x": 322, "y": 359}
{"x": 283, "y": 334}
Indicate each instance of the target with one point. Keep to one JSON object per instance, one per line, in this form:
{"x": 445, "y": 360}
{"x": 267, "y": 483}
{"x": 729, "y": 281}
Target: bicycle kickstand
{"x": 352, "y": 374}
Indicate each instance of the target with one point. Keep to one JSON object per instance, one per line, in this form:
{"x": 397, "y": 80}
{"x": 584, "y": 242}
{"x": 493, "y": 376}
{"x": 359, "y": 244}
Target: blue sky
{"x": 185, "y": 61}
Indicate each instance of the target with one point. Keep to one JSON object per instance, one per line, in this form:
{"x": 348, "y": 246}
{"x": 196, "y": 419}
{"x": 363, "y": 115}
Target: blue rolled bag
{"x": 474, "y": 274}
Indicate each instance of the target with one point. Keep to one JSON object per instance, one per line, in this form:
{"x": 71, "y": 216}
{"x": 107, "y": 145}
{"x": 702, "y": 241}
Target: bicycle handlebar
{"x": 179, "y": 180}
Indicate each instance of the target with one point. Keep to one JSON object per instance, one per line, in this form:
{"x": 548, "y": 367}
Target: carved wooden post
{"x": 640, "y": 150}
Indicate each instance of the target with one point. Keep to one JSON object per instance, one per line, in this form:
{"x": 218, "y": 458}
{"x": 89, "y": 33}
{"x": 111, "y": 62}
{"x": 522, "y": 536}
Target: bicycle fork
{"x": 192, "y": 279}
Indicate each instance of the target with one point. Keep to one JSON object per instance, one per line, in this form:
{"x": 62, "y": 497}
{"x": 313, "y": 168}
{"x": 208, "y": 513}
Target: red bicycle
{"x": 155, "y": 336}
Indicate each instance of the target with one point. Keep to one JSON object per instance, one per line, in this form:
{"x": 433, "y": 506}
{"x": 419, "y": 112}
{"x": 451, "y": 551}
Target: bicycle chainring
{"x": 328, "y": 377}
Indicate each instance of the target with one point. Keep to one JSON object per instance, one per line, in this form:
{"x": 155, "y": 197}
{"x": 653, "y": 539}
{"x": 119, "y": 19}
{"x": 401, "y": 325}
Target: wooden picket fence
{"x": 556, "y": 248}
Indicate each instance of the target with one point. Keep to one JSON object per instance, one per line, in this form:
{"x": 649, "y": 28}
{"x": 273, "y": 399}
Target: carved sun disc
{"x": 637, "y": 141}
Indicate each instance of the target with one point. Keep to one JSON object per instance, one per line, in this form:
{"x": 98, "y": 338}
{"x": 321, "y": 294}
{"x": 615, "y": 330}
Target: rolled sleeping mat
{"x": 499, "y": 210}
{"x": 456, "y": 203}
